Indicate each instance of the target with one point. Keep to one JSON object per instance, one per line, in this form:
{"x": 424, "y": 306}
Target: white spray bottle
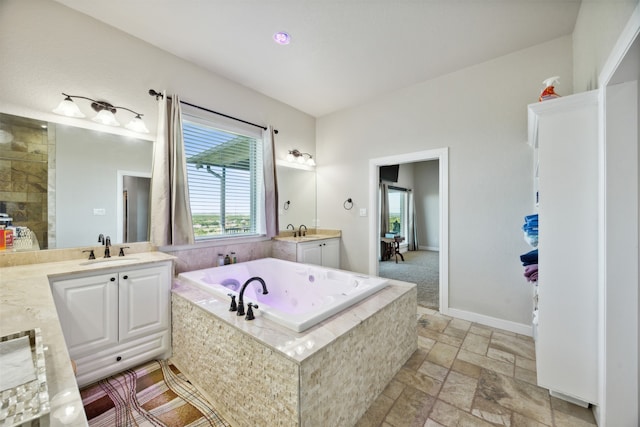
{"x": 548, "y": 92}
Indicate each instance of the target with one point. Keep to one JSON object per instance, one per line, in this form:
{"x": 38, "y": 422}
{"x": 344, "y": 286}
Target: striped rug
{"x": 154, "y": 394}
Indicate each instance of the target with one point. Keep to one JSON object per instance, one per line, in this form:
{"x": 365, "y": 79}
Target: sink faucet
{"x": 302, "y": 233}
{"x": 101, "y": 238}
{"x": 241, "y": 296}
{"x": 293, "y": 228}
{"x": 107, "y": 243}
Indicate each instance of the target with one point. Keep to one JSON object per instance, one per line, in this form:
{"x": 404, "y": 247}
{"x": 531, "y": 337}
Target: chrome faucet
{"x": 293, "y": 228}
{"x": 241, "y": 296}
{"x": 302, "y": 233}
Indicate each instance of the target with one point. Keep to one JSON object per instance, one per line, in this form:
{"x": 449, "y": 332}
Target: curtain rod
{"x": 158, "y": 95}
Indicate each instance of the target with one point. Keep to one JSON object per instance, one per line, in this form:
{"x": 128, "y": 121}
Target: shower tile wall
{"x": 24, "y": 176}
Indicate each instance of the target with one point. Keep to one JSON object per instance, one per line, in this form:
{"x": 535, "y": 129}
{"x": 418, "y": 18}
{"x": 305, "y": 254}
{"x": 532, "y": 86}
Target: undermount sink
{"x": 112, "y": 260}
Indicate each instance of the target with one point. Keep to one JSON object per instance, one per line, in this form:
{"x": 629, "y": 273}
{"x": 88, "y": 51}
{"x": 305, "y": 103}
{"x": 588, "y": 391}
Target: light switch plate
{"x": 363, "y": 211}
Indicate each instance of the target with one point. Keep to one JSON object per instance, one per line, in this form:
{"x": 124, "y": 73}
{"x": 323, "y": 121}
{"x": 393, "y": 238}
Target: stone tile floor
{"x": 466, "y": 374}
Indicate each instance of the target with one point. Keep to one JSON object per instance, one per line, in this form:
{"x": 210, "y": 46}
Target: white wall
{"x": 47, "y": 48}
{"x": 597, "y": 30}
{"x": 427, "y": 199}
{"x": 480, "y": 113}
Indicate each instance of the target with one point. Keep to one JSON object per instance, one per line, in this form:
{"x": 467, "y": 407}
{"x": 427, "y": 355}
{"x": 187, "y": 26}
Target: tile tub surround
{"x": 26, "y": 302}
{"x": 199, "y": 256}
{"x": 259, "y": 373}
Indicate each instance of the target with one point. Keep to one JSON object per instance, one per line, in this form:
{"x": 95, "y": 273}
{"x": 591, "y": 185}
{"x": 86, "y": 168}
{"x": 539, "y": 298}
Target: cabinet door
{"x": 331, "y": 253}
{"x": 144, "y": 301}
{"x": 310, "y": 253}
{"x": 88, "y": 312}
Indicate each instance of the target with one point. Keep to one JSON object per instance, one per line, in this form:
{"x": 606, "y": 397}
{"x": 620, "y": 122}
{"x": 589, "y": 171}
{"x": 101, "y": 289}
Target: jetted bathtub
{"x": 300, "y": 295}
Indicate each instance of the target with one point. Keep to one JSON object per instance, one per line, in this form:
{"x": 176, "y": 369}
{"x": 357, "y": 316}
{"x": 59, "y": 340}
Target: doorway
{"x": 441, "y": 157}
{"x": 133, "y": 206}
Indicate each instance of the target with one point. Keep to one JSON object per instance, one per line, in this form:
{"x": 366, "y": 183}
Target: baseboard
{"x": 429, "y": 248}
{"x": 507, "y": 325}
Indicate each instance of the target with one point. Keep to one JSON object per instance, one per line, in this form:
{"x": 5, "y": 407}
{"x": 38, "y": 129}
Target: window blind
{"x": 224, "y": 171}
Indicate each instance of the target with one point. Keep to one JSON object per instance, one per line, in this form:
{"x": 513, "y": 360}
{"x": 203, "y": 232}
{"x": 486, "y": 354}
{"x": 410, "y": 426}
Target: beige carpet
{"x": 154, "y": 394}
{"x": 420, "y": 267}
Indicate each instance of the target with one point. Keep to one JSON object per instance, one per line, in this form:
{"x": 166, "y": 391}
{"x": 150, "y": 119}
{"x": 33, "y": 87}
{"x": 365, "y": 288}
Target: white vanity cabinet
{"x": 115, "y": 319}
{"x": 325, "y": 252}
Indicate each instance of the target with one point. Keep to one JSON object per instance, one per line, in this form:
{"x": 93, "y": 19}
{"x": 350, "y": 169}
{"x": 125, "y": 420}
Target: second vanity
{"x": 319, "y": 247}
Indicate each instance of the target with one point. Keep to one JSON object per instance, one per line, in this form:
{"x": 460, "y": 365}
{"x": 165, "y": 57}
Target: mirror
{"x": 68, "y": 184}
{"x": 296, "y": 196}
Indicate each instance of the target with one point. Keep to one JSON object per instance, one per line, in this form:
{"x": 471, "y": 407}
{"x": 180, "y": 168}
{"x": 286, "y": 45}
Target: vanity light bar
{"x": 296, "y": 156}
{"x": 106, "y": 113}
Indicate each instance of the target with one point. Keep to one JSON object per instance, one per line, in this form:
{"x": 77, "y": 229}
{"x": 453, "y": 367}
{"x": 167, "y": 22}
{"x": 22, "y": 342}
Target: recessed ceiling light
{"x": 282, "y": 38}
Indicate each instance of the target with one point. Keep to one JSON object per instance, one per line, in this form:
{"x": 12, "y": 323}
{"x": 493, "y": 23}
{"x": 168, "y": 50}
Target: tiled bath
{"x": 334, "y": 373}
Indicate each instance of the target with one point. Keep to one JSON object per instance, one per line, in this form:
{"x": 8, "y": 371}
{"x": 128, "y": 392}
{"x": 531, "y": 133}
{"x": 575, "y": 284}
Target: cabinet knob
{"x": 119, "y": 358}
{"x": 113, "y": 279}
{"x": 125, "y": 277}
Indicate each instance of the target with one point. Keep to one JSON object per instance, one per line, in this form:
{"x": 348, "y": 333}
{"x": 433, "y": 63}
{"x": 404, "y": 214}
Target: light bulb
{"x": 137, "y": 125}
{"x": 106, "y": 117}
{"x": 68, "y": 108}
{"x": 311, "y": 162}
{"x": 290, "y": 157}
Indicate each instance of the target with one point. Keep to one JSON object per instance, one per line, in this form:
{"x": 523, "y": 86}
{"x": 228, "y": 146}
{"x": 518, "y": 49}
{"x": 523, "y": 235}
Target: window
{"x": 397, "y": 211}
{"x": 224, "y": 172}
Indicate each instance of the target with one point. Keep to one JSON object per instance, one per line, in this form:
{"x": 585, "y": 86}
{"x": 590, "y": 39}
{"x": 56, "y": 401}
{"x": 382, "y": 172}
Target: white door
{"x": 88, "y": 312}
{"x": 144, "y": 301}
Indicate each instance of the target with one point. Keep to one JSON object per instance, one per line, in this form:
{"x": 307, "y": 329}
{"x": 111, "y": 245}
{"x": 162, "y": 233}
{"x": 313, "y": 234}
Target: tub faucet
{"x": 302, "y": 233}
{"x": 293, "y": 228}
{"x": 240, "y": 298}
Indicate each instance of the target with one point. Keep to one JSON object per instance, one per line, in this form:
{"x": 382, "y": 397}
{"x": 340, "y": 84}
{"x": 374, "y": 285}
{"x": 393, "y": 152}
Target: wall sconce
{"x": 296, "y": 156}
{"x": 106, "y": 113}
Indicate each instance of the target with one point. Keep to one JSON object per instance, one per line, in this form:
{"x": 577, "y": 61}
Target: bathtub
{"x": 300, "y": 295}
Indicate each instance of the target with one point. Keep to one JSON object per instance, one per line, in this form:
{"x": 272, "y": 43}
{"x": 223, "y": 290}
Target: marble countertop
{"x": 26, "y": 303}
{"x": 296, "y": 345}
{"x": 310, "y": 235}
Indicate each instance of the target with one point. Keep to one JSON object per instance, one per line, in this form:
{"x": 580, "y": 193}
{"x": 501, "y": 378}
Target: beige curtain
{"x": 412, "y": 238}
{"x": 170, "y": 210}
{"x": 270, "y": 183}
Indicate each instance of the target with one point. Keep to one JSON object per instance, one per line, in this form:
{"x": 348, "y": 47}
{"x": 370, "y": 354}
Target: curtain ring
{"x": 348, "y": 204}
{"x": 286, "y": 205}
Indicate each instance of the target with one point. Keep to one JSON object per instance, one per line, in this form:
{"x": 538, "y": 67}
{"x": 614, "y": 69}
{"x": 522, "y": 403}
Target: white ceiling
{"x": 343, "y": 52}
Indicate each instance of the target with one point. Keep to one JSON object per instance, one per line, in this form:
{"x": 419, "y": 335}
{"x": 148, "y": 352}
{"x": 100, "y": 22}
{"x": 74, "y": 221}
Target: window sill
{"x": 215, "y": 242}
